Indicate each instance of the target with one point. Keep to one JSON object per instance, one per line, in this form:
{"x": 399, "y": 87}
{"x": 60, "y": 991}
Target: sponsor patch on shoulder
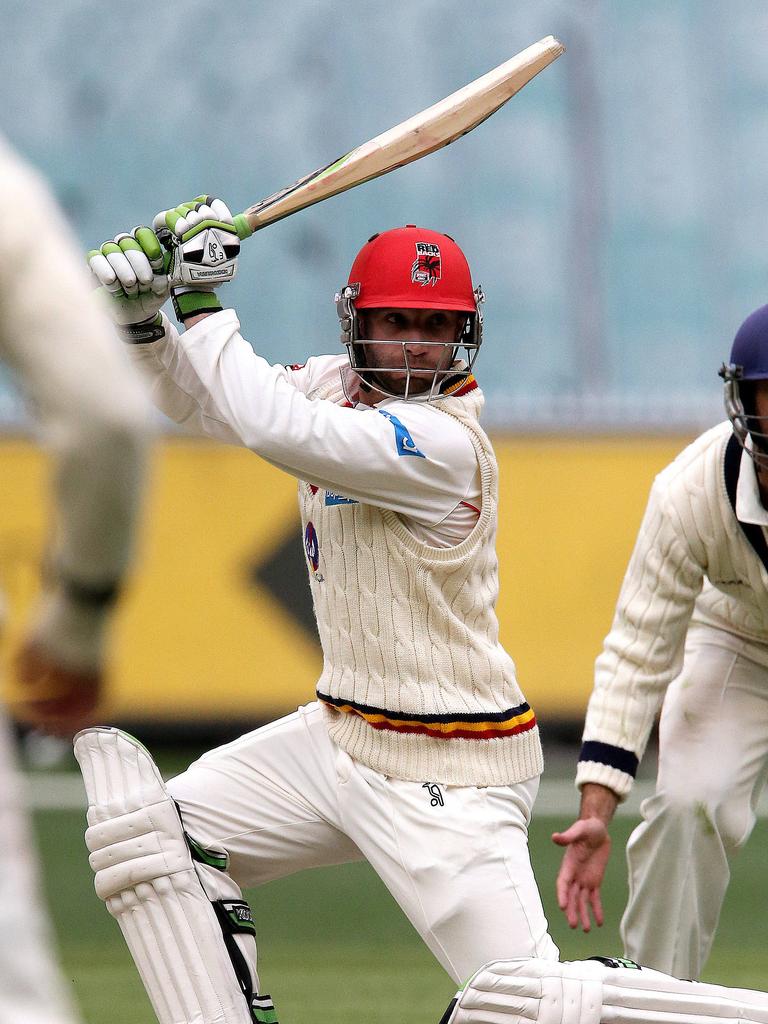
{"x": 403, "y": 441}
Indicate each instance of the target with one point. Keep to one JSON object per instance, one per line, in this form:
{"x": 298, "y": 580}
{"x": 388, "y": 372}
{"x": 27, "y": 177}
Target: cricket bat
{"x": 437, "y": 126}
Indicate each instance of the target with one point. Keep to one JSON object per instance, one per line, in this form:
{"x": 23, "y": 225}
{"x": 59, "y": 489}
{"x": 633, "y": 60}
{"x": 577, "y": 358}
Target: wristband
{"x": 189, "y": 304}
{"x": 90, "y": 595}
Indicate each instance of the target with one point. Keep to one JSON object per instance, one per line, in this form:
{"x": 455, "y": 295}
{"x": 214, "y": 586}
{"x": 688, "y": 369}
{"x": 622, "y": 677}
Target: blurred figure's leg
{"x": 33, "y": 991}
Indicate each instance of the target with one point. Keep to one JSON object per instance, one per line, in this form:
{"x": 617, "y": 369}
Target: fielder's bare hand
{"x": 59, "y": 666}
{"x": 53, "y": 697}
{"x": 588, "y": 847}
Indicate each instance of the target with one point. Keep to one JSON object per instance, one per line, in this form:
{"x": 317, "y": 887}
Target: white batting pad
{"x": 597, "y": 992}
{"x": 527, "y": 990}
{"x": 146, "y": 875}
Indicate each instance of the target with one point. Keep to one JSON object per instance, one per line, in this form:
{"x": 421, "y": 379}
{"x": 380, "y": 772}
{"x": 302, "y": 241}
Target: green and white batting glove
{"x": 203, "y": 239}
{"x": 132, "y": 270}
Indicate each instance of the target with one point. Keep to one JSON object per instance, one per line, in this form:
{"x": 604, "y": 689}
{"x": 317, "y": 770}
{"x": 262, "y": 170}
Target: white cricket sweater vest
{"x": 415, "y": 683}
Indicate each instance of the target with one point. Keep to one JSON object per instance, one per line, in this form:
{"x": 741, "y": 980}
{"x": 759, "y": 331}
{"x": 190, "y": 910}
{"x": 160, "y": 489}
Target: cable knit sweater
{"x": 415, "y": 683}
{"x": 691, "y": 563}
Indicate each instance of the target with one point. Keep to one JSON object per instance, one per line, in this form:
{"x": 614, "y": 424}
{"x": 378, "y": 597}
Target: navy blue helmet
{"x": 748, "y": 363}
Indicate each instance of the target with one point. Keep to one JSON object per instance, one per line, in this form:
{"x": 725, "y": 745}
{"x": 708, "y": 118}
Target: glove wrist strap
{"x": 187, "y": 304}
{"x": 144, "y": 332}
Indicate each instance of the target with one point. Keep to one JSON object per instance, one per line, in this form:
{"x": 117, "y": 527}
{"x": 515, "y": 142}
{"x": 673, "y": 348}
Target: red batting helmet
{"x": 411, "y": 268}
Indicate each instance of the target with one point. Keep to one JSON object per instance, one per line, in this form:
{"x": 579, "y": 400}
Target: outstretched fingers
{"x": 582, "y": 871}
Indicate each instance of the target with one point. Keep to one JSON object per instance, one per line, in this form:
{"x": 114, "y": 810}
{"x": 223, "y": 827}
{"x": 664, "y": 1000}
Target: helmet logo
{"x": 427, "y": 267}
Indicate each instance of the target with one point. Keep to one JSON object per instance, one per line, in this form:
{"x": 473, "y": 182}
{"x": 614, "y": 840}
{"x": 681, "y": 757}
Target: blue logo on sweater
{"x": 332, "y": 498}
{"x": 403, "y": 441}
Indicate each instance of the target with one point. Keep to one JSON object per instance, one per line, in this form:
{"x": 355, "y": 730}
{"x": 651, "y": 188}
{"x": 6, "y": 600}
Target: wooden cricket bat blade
{"x": 433, "y": 128}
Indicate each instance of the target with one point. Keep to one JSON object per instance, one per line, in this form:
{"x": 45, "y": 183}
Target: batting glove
{"x": 131, "y": 268}
{"x": 203, "y": 239}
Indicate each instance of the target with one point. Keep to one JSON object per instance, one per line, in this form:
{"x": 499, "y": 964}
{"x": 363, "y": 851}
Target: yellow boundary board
{"x": 196, "y": 638}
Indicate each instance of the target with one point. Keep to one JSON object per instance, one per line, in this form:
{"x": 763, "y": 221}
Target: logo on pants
{"x": 435, "y": 793}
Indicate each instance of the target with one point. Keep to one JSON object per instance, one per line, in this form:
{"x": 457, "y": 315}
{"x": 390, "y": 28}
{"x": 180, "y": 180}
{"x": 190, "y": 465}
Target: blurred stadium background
{"x": 614, "y": 213}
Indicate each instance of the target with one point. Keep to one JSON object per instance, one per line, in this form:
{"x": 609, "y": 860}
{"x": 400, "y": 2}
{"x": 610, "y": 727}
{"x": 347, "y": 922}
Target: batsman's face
{"x": 399, "y": 341}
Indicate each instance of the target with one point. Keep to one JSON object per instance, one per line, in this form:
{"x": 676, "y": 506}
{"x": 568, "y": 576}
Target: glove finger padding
{"x": 158, "y": 258}
{"x": 203, "y": 241}
{"x": 137, "y": 258}
{"x": 220, "y": 210}
{"x": 103, "y": 271}
{"x": 132, "y": 270}
{"x": 150, "y": 245}
{"x": 183, "y": 218}
{"x": 122, "y": 269}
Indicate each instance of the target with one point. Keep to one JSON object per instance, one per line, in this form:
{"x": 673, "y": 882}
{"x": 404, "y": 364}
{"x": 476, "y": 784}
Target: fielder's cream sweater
{"x": 415, "y": 682}
{"x": 691, "y": 563}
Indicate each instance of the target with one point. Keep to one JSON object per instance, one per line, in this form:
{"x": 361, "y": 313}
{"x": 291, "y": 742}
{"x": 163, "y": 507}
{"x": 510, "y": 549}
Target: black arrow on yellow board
{"x": 283, "y": 572}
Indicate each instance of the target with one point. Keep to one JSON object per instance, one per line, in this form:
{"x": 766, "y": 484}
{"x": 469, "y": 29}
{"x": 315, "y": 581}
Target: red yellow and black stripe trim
{"x": 484, "y": 725}
{"x": 456, "y": 388}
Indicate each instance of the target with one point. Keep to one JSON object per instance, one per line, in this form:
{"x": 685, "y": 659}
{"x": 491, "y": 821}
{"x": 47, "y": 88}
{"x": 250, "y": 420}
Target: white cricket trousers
{"x": 31, "y": 988}
{"x": 713, "y": 758}
{"x": 285, "y": 798}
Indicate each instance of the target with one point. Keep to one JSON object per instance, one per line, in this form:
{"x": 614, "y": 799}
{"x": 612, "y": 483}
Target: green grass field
{"x": 334, "y": 946}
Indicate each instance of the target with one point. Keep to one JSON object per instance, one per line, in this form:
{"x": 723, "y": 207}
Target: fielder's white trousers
{"x": 31, "y": 989}
{"x": 713, "y": 757}
{"x": 285, "y": 798}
